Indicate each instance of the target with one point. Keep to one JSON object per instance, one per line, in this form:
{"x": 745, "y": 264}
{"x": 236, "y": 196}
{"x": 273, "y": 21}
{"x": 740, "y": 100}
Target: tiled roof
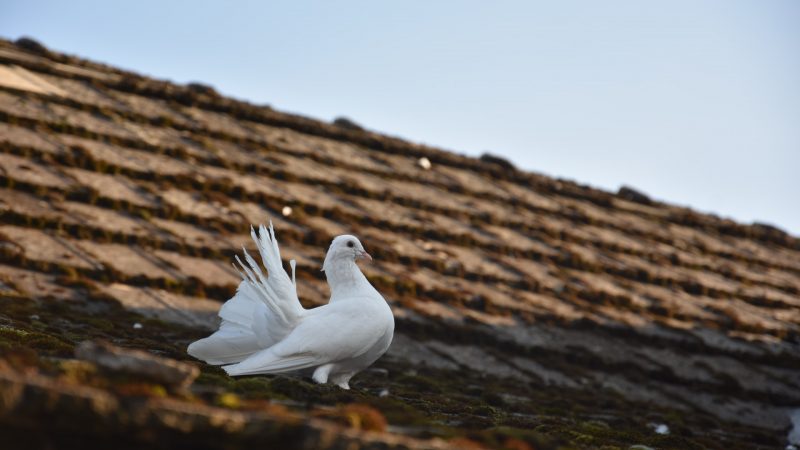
{"x": 523, "y": 302}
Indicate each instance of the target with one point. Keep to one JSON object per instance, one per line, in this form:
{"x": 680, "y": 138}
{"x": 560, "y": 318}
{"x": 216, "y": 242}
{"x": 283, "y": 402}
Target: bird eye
{"x": 350, "y": 244}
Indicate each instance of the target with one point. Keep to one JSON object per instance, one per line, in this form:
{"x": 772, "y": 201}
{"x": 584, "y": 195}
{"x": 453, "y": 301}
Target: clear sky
{"x": 693, "y": 102}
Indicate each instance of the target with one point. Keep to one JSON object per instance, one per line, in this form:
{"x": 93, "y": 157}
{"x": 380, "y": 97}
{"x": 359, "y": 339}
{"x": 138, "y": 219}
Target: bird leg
{"x": 343, "y": 380}
{"x": 321, "y": 373}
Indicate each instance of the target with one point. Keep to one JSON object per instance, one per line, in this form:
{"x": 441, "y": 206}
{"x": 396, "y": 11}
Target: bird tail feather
{"x": 268, "y": 362}
{"x": 264, "y": 310}
{"x": 237, "y": 337}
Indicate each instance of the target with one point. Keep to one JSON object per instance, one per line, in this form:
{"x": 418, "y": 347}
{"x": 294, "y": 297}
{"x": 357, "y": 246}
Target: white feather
{"x": 260, "y": 314}
{"x": 266, "y": 330}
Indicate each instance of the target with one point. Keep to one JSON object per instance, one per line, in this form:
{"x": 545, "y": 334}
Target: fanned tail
{"x": 264, "y": 310}
{"x": 283, "y": 287}
{"x": 236, "y": 338}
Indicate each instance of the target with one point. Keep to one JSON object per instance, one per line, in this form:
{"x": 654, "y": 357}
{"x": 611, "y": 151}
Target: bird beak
{"x": 365, "y": 255}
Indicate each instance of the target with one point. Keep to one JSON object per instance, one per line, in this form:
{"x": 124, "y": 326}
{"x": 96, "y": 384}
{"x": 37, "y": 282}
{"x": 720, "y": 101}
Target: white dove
{"x": 265, "y": 329}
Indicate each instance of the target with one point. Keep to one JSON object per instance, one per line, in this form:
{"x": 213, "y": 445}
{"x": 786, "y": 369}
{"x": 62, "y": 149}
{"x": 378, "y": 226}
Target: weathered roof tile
{"x": 25, "y": 170}
{"x": 41, "y": 247}
{"x": 115, "y": 187}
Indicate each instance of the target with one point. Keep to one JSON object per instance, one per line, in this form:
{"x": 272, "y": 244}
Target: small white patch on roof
{"x": 425, "y": 163}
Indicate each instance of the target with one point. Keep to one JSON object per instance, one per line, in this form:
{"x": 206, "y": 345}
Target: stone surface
{"x": 164, "y": 305}
{"x": 137, "y": 363}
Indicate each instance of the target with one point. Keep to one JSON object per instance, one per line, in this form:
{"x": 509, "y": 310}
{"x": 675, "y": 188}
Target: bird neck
{"x": 345, "y": 279}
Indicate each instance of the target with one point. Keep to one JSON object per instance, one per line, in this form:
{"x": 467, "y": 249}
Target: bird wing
{"x": 329, "y": 333}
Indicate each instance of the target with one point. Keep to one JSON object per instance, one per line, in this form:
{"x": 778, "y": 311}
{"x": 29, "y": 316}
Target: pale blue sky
{"x": 694, "y": 102}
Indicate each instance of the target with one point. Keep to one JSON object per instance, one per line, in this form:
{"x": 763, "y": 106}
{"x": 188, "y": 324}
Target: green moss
{"x": 420, "y": 383}
{"x": 255, "y": 387}
{"x": 220, "y": 380}
{"x": 16, "y": 338}
{"x": 101, "y": 324}
{"x": 399, "y": 412}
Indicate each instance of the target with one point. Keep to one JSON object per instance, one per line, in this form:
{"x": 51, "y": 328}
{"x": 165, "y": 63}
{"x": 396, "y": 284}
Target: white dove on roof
{"x": 265, "y": 329}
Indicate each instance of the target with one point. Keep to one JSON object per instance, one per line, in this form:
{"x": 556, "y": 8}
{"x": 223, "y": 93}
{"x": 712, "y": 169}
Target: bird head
{"x": 345, "y": 248}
